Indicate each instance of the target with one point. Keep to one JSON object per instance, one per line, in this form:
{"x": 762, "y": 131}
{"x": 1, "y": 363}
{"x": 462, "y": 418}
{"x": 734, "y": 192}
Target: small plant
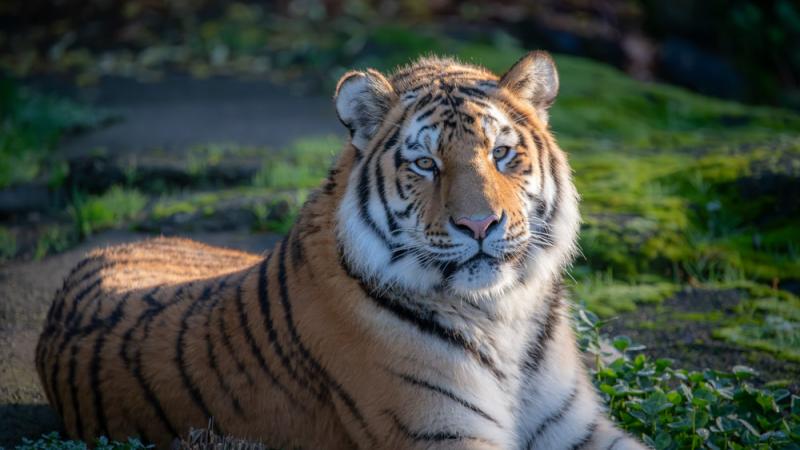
{"x": 8, "y": 244}
{"x": 110, "y": 209}
{"x": 678, "y": 409}
{"x": 54, "y": 239}
{"x": 52, "y": 441}
{"x": 300, "y": 166}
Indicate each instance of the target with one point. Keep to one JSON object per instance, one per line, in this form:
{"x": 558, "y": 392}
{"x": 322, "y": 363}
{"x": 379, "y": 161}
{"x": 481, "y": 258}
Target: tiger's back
{"x": 139, "y": 332}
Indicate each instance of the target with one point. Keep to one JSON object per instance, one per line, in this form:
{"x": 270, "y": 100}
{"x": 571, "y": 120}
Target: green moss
{"x": 774, "y": 334}
{"x": 169, "y": 207}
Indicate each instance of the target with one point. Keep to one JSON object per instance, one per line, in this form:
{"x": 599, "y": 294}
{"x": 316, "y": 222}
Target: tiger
{"x": 416, "y": 303}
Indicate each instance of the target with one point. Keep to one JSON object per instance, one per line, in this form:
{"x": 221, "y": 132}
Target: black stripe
{"x": 546, "y": 333}
{"x": 135, "y": 364}
{"x": 69, "y": 334}
{"x": 301, "y": 379}
{"x": 94, "y": 365}
{"x": 152, "y": 398}
{"x": 473, "y": 92}
{"x": 226, "y": 341}
{"x": 155, "y": 308}
{"x": 552, "y": 419}
{"x": 449, "y": 394}
{"x": 212, "y": 358}
{"x": 615, "y": 442}
{"x": 380, "y": 181}
{"x": 70, "y": 320}
{"x": 428, "y": 436}
{"x": 423, "y": 320}
{"x": 73, "y": 389}
{"x": 364, "y": 189}
{"x": 57, "y": 311}
{"x": 108, "y": 265}
{"x": 427, "y": 113}
{"x": 256, "y": 352}
{"x": 586, "y": 438}
{"x": 298, "y": 252}
{"x": 398, "y": 162}
{"x": 424, "y": 101}
{"x": 183, "y": 371}
{"x": 329, "y": 381}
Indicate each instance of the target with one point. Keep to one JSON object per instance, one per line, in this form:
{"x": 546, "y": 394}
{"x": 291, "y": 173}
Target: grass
{"x": 302, "y": 165}
{"x": 31, "y": 124}
{"x": 110, "y": 209}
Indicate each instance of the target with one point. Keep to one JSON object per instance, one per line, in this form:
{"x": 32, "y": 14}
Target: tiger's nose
{"x": 478, "y": 227}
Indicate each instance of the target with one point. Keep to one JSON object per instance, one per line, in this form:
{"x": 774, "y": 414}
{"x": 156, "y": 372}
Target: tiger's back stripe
{"x": 75, "y": 333}
{"x": 327, "y": 379}
{"x": 229, "y": 347}
{"x": 211, "y": 355}
{"x": 183, "y": 371}
{"x": 94, "y": 273}
{"x": 264, "y": 302}
{"x": 68, "y": 334}
{"x": 95, "y": 364}
{"x": 134, "y": 363}
{"x": 256, "y": 352}
{"x": 73, "y": 388}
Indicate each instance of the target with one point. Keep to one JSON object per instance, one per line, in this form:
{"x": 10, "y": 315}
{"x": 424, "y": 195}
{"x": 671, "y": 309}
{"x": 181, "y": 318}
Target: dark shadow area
{"x": 19, "y": 421}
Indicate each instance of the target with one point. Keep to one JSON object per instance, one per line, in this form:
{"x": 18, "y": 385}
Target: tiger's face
{"x": 452, "y": 188}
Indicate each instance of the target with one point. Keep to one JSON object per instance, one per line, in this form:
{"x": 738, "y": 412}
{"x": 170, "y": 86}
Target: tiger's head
{"x": 456, "y": 184}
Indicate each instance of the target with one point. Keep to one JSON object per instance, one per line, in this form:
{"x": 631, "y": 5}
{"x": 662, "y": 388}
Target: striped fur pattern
{"x": 416, "y": 303}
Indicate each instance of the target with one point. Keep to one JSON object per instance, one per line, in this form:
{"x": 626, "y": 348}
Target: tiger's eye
{"x": 425, "y": 163}
{"x": 500, "y": 152}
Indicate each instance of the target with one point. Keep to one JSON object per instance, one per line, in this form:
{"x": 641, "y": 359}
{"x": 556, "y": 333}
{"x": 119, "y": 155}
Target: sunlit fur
{"x": 377, "y": 322}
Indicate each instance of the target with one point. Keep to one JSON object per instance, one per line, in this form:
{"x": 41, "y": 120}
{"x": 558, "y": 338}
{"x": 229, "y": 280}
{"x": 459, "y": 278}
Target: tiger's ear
{"x": 533, "y": 78}
{"x": 362, "y": 101}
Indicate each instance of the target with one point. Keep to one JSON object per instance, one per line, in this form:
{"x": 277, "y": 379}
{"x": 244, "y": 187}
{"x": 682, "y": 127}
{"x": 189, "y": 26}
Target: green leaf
{"x": 744, "y": 372}
{"x": 621, "y": 343}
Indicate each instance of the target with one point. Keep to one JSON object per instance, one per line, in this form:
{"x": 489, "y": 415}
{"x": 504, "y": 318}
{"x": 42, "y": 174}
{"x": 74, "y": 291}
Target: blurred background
{"x": 123, "y": 119}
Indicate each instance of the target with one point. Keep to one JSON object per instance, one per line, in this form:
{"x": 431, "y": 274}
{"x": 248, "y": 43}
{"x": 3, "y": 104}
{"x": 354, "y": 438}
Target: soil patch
{"x": 681, "y": 328}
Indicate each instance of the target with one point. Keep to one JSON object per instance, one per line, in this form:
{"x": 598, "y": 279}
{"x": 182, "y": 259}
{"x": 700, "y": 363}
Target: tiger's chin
{"x": 482, "y": 278}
